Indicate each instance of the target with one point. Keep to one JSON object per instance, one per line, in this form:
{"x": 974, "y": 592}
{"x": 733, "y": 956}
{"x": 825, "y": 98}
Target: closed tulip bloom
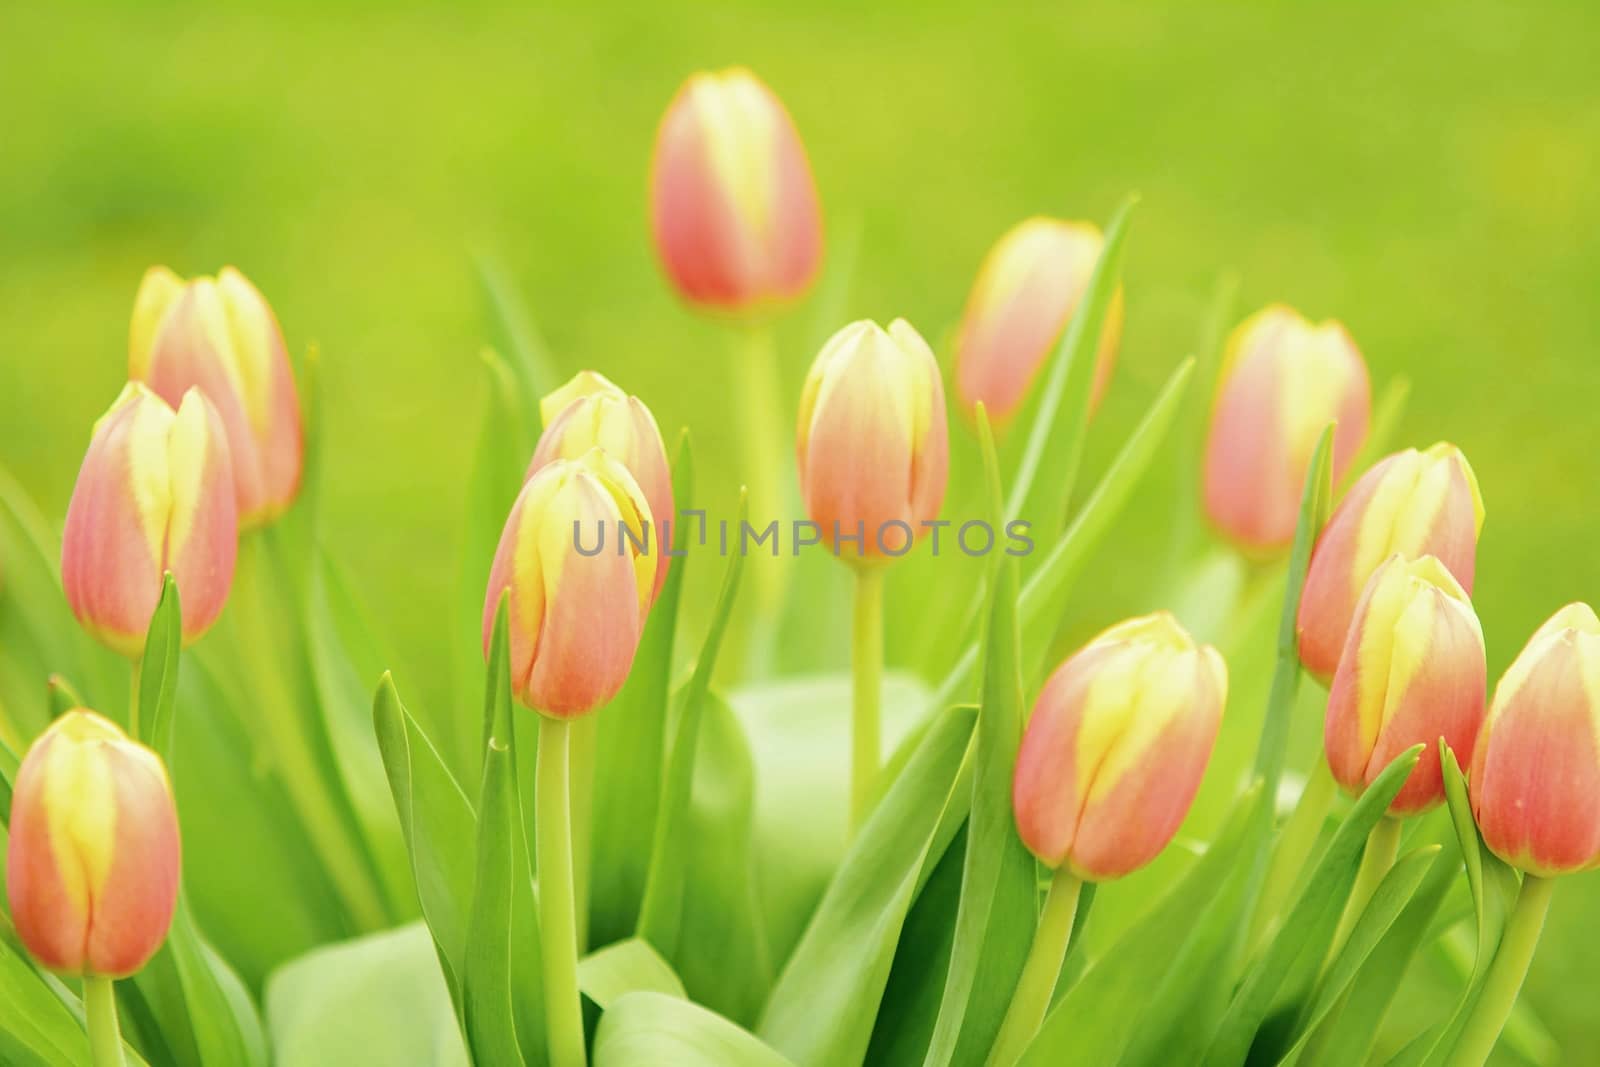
{"x": 590, "y": 412}
{"x": 1027, "y": 291}
{"x": 872, "y": 444}
{"x": 1535, "y": 778}
{"x": 1283, "y": 380}
{"x": 576, "y": 611}
{"x": 92, "y": 865}
{"x": 219, "y": 335}
{"x": 1115, "y": 749}
{"x": 733, "y": 207}
{"x": 1412, "y": 672}
{"x": 154, "y": 494}
{"x": 1412, "y": 503}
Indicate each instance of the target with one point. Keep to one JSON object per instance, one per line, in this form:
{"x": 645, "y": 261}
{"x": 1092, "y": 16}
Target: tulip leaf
{"x": 824, "y": 1003}
{"x": 661, "y": 911}
{"x": 439, "y": 825}
{"x": 1144, "y": 963}
{"x": 36, "y": 1028}
{"x": 158, "y": 673}
{"x": 667, "y": 1031}
{"x": 1386, "y": 415}
{"x": 1046, "y": 593}
{"x": 630, "y": 966}
{"x": 8, "y": 774}
{"x": 1060, "y": 416}
{"x": 513, "y": 326}
{"x": 1290, "y": 962}
{"x": 198, "y": 1003}
{"x": 629, "y": 751}
{"x": 62, "y": 696}
{"x": 999, "y": 890}
{"x": 1194, "y": 424}
{"x": 376, "y": 999}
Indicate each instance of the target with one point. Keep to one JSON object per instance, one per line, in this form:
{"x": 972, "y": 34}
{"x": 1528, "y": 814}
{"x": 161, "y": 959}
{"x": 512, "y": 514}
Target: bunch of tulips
{"x": 557, "y": 880}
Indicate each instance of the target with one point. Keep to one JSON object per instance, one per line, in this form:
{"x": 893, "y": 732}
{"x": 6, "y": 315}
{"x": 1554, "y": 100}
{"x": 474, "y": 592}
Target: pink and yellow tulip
{"x": 1030, "y": 285}
{"x": 92, "y": 865}
{"x": 219, "y": 335}
{"x": 154, "y": 494}
{"x": 733, "y": 206}
{"x": 1412, "y": 503}
{"x": 872, "y": 443}
{"x": 1412, "y": 672}
{"x": 1535, "y": 779}
{"x": 590, "y": 412}
{"x": 1283, "y": 380}
{"x": 1116, "y": 747}
{"x": 575, "y": 616}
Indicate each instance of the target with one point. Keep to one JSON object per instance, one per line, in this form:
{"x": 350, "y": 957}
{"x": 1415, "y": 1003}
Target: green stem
{"x": 1504, "y": 981}
{"x": 1383, "y": 844}
{"x": 133, "y": 697}
{"x": 1039, "y": 973}
{"x": 581, "y": 763}
{"x": 100, "y": 1018}
{"x": 765, "y": 470}
{"x": 558, "y": 926}
{"x": 867, "y": 666}
{"x": 1295, "y": 842}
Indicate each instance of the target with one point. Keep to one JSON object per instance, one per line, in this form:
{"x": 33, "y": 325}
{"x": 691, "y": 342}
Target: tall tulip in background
{"x": 92, "y": 865}
{"x": 1026, "y": 292}
{"x": 873, "y": 452}
{"x": 1110, "y": 761}
{"x": 219, "y": 335}
{"x": 575, "y": 619}
{"x": 154, "y": 495}
{"x": 1283, "y": 380}
{"x": 1414, "y": 503}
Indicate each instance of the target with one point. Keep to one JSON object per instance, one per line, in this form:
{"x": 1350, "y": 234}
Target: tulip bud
{"x": 154, "y": 494}
{"x": 1412, "y": 672}
{"x": 572, "y": 558}
{"x": 1412, "y": 503}
{"x": 872, "y": 444}
{"x": 590, "y": 412}
{"x": 219, "y": 335}
{"x": 732, "y": 203}
{"x": 92, "y": 865}
{"x": 1535, "y": 779}
{"x": 1283, "y": 380}
{"x": 1114, "y": 752}
{"x": 1027, "y": 290}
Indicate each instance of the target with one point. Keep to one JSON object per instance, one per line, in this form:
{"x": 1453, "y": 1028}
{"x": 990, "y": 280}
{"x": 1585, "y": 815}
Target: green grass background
{"x": 1428, "y": 175}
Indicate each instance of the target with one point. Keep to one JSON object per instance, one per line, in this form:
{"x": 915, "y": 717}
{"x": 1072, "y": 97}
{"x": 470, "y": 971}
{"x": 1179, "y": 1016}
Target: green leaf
{"x": 158, "y": 673}
{"x": 630, "y": 966}
{"x": 375, "y": 1000}
{"x": 823, "y": 1006}
{"x": 1386, "y": 415}
{"x": 36, "y": 1028}
{"x": 439, "y": 826}
{"x": 999, "y": 891}
{"x": 1291, "y": 960}
{"x": 1059, "y": 423}
{"x": 630, "y": 749}
{"x": 197, "y": 1002}
{"x": 62, "y": 696}
{"x": 667, "y": 1031}
{"x": 1083, "y": 1027}
{"x": 8, "y": 774}
{"x": 661, "y": 913}
{"x": 513, "y": 328}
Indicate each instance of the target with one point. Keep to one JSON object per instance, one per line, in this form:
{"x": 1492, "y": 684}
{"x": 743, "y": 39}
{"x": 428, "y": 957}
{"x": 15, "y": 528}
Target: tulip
{"x": 1412, "y": 672}
{"x": 576, "y": 613}
{"x": 1283, "y": 380}
{"x": 1116, "y": 746}
{"x": 590, "y": 412}
{"x": 1414, "y": 503}
{"x": 154, "y": 495}
{"x": 92, "y": 865}
{"x": 219, "y": 334}
{"x": 732, "y": 203}
{"x": 1027, "y": 290}
{"x": 872, "y": 442}
{"x": 1535, "y": 777}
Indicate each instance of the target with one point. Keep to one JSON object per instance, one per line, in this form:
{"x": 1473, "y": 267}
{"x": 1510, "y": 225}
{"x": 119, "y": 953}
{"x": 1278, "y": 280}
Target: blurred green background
{"x": 1428, "y": 175}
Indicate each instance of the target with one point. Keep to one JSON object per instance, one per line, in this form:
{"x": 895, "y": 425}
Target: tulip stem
{"x": 867, "y": 664}
{"x": 558, "y": 926}
{"x": 1295, "y": 842}
{"x": 1504, "y": 981}
{"x": 100, "y": 1018}
{"x": 580, "y": 760}
{"x": 133, "y": 698}
{"x": 1037, "y": 983}
{"x": 766, "y": 472}
{"x": 1383, "y": 844}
